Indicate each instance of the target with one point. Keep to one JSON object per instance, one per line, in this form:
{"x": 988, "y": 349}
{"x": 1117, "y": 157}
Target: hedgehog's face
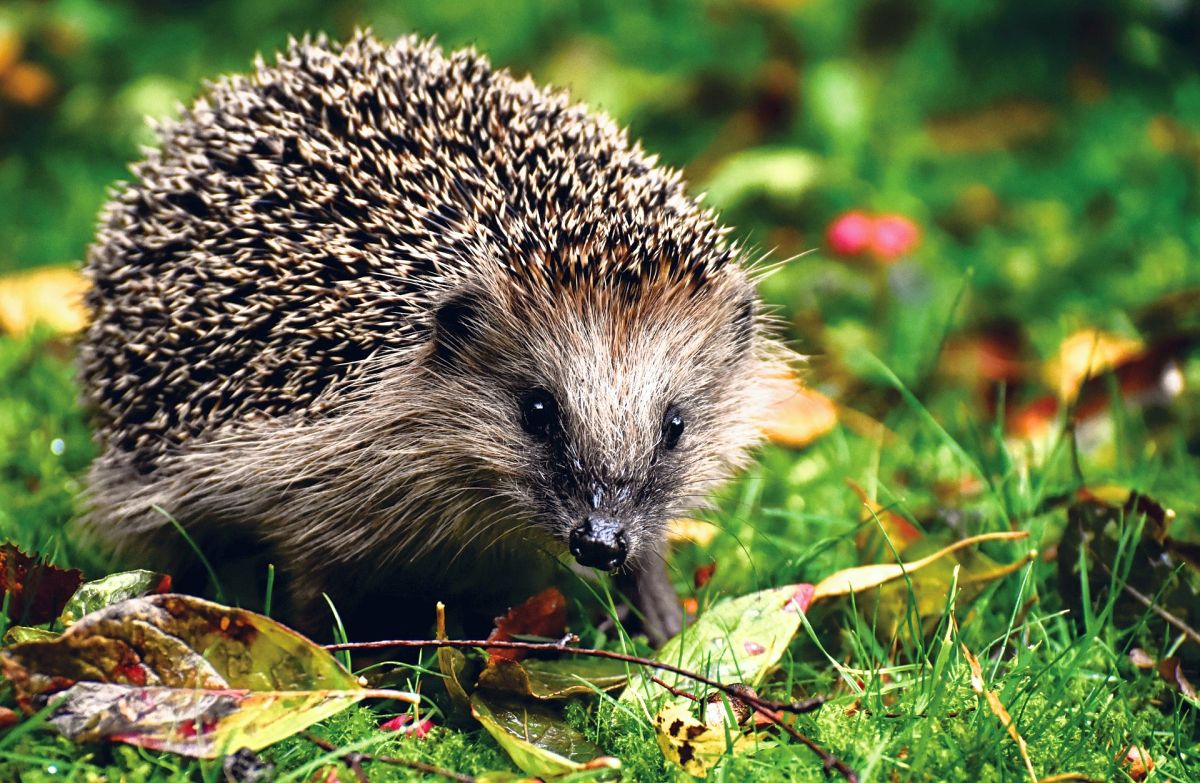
{"x": 600, "y": 419}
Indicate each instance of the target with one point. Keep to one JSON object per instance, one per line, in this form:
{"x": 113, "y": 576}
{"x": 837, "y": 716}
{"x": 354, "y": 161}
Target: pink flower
{"x": 894, "y": 236}
{"x": 850, "y": 234}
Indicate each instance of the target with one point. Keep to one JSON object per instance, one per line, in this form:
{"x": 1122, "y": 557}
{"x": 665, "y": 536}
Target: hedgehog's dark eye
{"x": 539, "y": 412}
{"x": 672, "y": 428}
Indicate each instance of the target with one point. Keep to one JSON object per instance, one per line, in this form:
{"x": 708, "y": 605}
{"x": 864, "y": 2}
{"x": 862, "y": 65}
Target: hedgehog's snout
{"x": 599, "y": 542}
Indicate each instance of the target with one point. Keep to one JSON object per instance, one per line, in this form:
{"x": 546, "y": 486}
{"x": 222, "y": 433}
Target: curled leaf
{"x": 543, "y": 614}
{"x": 853, "y": 580}
{"x": 557, "y": 679}
{"x": 694, "y": 746}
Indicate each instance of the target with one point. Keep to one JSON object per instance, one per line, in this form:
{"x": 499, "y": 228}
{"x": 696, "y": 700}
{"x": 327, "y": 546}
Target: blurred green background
{"x": 1049, "y": 148}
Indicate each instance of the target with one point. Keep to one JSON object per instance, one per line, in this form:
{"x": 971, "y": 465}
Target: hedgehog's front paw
{"x": 657, "y": 601}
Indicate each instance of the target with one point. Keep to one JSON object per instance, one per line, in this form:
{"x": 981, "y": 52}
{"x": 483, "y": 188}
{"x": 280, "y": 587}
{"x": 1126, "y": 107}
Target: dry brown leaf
{"x": 797, "y": 415}
{"x": 52, "y": 296}
{"x": 997, "y": 708}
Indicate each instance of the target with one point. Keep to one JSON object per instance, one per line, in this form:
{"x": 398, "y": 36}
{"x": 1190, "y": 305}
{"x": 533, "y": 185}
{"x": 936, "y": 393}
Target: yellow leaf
{"x": 853, "y": 580}
{"x": 693, "y": 745}
{"x": 695, "y": 531}
{"x": 1085, "y": 354}
{"x": 52, "y": 296}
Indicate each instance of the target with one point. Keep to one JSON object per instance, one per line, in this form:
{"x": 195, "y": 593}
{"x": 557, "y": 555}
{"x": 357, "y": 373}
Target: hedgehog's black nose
{"x": 599, "y": 542}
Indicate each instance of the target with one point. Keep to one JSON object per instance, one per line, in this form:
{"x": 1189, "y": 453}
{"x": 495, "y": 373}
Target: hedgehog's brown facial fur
{"x": 603, "y": 414}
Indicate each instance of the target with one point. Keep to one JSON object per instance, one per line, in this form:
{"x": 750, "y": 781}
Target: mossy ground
{"x": 1048, "y": 154}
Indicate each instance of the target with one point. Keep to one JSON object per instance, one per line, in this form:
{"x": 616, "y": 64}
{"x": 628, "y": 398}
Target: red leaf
{"x": 704, "y": 574}
{"x": 800, "y": 600}
{"x": 37, "y": 590}
{"x": 401, "y": 723}
{"x": 543, "y": 614}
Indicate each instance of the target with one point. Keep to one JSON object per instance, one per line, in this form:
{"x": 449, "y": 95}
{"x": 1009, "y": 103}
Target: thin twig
{"x": 672, "y": 689}
{"x": 354, "y": 761}
{"x": 798, "y": 708}
{"x": 767, "y": 707}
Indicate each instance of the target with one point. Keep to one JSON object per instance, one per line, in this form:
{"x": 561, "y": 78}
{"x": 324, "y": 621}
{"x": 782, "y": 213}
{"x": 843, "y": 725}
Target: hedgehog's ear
{"x": 455, "y": 323}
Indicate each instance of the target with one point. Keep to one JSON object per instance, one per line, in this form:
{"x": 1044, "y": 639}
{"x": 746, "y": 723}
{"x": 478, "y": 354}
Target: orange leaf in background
{"x": 543, "y": 614}
{"x": 696, "y": 531}
{"x": 10, "y": 49}
{"x": 28, "y": 84}
{"x": 899, "y": 531}
{"x": 37, "y": 590}
{"x": 52, "y": 296}
{"x": 1084, "y": 354}
{"x": 797, "y": 416}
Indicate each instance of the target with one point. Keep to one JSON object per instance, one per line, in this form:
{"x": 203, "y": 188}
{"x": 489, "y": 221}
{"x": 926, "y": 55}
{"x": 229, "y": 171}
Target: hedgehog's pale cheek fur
{"x": 615, "y": 363}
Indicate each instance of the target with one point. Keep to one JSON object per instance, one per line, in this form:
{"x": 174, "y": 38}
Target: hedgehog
{"x": 410, "y": 327}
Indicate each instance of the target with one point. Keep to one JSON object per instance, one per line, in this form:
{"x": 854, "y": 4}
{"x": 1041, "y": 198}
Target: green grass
{"x": 1083, "y": 218}
{"x": 1073, "y": 693}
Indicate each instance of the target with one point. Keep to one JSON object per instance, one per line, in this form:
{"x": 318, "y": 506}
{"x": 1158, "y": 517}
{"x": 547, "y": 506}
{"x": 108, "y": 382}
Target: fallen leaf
{"x": 37, "y": 591}
{"x": 695, "y": 531}
{"x": 694, "y": 746}
{"x": 1156, "y": 578}
{"x": 878, "y": 524}
{"x": 52, "y": 296}
{"x": 25, "y": 633}
{"x": 201, "y": 723}
{"x": 543, "y": 614}
{"x": 796, "y": 416}
{"x": 178, "y": 673}
{"x": 1085, "y": 354}
{"x": 7, "y": 718}
{"x": 720, "y": 641}
{"x": 26, "y": 83}
{"x": 554, "y": 679}
{"x": 112, "y": 589}
{"x": 704, "y": 574}
{"x": 997, "y": 707}
{"x": 536, "y": 737}
{"x": 853, "y": 580}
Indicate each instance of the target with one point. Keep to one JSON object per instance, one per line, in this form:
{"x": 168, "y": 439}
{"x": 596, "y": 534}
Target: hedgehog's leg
{"x": 655, "y": 597}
